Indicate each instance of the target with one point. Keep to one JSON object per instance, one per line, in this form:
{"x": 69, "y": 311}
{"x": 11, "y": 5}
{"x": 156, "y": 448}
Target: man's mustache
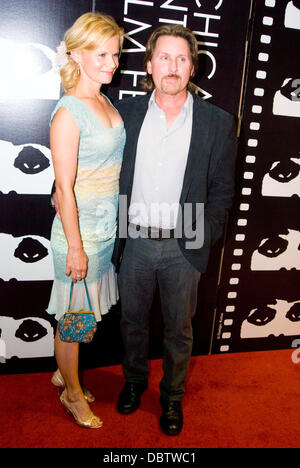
{"x": 172, "y": 75}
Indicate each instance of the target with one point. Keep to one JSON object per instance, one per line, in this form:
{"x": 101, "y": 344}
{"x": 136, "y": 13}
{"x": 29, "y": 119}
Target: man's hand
{"x": 55, "y": 204}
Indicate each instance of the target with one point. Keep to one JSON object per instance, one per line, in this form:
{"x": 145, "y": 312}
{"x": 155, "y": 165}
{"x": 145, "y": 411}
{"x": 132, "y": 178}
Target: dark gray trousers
{"x": 145, "y": 264}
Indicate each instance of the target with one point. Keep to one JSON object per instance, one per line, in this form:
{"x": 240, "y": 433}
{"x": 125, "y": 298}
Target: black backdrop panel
{"x": 42, "y": 21}
{"x": 220, "y": 27}
{"x": 259, "y": 306}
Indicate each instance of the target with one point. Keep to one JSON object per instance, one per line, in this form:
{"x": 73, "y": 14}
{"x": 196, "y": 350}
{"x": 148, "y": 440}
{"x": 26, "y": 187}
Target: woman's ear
{"x": 76, "y": 55}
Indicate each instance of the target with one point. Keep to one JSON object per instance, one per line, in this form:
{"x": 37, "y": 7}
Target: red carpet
{"x": 233, "y": 400}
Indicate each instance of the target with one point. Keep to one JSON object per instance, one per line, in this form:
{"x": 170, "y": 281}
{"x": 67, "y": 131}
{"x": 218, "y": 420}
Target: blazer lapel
{"x": 134, "y": 121}
{"x": 197, "y": 157}
{"x": 133, "y": 118}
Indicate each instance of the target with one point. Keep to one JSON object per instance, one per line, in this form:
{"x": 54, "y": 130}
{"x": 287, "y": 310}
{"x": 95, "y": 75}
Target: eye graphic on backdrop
{"x": 30, "y": 251}
{"x": 292, "y": 15}
{"x": 283, "y": 179}
{"x": 25, "y": 258}
{"x": 26, "y": 338}
{"x": 29, "y": 71}
{"x": 279, "y": 251}
{"x": 287, "y": 99}
{"x": 281, "y": 318}
{"x": 30, "y": 331}
{"x": 31, "y": 161}
{"x": 25, "y": 169}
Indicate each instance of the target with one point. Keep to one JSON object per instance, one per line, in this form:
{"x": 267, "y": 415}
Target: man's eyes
{"x": 180, "y": 59}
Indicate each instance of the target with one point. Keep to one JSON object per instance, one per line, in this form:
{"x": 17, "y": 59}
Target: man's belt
{"x": 152, "y": 233}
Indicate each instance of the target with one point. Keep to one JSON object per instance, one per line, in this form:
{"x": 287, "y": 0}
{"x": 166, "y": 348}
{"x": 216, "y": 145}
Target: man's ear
{"x": 149, "y": 67}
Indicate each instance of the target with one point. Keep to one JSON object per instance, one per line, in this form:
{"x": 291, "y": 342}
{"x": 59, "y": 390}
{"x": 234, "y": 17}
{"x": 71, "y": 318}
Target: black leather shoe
{"x": 130, "y": 397}
{"x": 171, "y": 420}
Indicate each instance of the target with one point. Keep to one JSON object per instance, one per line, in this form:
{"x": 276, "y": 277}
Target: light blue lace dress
{"x": 96, "y": 191}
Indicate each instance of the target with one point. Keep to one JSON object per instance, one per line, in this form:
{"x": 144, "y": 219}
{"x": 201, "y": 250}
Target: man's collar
{"x": 185, "y": 107}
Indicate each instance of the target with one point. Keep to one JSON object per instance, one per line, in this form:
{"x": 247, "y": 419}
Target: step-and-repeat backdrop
{"x": 251, "y": 297}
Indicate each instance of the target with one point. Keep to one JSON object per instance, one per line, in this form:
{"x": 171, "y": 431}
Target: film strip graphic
{"x": 259, "y": 301}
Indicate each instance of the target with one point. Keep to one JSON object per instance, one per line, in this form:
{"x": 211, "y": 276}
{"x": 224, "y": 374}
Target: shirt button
{"x": 156, "y": 189}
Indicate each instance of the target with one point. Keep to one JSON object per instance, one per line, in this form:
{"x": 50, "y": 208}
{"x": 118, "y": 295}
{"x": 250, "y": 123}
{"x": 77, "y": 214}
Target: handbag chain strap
{"x": 87, "y": 295}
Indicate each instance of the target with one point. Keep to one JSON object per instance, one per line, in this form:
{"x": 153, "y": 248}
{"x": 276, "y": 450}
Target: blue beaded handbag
{"x": 78, "y": 326}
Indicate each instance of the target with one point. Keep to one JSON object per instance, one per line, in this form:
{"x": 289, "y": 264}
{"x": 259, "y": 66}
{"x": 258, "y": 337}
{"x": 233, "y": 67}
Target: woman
{"x": 87, "y": 138}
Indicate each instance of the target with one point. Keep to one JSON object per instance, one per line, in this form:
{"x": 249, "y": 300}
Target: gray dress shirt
{"x": 160, "y": 166}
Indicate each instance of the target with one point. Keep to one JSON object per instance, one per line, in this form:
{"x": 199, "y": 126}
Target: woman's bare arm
{"x": 64, "y": 142}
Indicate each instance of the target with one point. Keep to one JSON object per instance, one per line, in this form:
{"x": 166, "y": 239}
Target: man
{"x": 179, "y": 155}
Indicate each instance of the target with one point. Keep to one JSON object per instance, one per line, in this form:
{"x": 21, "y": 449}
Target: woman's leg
{"x": 58, "y": 381}
{"x": 67, "y": 360}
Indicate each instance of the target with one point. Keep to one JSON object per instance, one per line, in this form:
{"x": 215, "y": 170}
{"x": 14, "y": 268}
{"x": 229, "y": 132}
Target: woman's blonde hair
{"x": 87, "y": 33}
{"x": 174, "y": 30}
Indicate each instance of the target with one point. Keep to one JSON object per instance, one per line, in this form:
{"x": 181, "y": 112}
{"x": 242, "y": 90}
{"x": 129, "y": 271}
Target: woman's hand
{"x": 76, "y": 263}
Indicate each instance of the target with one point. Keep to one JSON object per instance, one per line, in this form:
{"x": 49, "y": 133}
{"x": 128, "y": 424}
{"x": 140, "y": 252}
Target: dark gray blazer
{"x": 209, "y": 174}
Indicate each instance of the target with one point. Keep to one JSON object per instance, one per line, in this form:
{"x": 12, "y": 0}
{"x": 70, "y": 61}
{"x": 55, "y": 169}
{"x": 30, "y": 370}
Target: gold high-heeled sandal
{"x": 88, "y": 423}
{"x": 58, "y": 381}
